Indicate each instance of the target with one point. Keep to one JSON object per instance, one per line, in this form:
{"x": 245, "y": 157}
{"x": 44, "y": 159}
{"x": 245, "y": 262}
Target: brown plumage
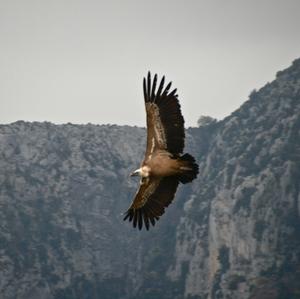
{"x": 163, "y": 166}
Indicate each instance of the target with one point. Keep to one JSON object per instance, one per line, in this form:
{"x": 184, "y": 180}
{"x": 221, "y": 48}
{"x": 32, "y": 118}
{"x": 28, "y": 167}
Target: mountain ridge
{"x": 231, "y": 234}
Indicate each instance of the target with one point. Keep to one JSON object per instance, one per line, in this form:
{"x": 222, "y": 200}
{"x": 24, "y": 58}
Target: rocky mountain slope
{"x": 233, "y": 233}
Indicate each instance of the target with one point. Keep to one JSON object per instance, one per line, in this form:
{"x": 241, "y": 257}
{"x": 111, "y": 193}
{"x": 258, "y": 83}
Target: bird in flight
{"x": 163, "y": 166}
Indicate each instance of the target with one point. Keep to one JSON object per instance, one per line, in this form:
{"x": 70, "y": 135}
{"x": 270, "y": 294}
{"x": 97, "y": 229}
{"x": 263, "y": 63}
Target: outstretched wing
{"x": 165, "y": 123}
{"x": 150, "y": 201}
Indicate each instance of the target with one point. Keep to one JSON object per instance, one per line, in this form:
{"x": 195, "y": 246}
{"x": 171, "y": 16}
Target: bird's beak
{"x": 134, "y": 173}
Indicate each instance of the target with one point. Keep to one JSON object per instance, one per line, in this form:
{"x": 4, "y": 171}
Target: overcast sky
{"x": 83, "y": 61}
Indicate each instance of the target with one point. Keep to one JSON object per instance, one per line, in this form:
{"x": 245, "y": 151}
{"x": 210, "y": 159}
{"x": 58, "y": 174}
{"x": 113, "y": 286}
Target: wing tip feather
{"x": 149, "y": 86}
{"x": 141, "y": 218}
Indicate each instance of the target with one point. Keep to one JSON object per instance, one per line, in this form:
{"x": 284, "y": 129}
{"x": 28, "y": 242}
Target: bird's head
{"x": 144, "y": 172}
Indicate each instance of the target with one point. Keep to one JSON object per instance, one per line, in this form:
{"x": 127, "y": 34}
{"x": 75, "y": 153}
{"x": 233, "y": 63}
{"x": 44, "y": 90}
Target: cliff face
{"x": 233, "y": 233}
{"x": 239, "y": 236}
{"x": 63, "y": 189}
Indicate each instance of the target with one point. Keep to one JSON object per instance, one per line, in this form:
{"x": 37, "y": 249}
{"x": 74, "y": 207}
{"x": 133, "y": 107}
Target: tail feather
{"x": 188, "y": 169}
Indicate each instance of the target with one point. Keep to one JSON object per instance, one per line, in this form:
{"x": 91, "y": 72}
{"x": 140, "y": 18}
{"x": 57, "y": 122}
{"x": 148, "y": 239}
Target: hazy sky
{"x": 83, "y": 61}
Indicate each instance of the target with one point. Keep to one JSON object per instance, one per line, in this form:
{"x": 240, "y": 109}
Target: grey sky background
{"x": 83, "y": 61}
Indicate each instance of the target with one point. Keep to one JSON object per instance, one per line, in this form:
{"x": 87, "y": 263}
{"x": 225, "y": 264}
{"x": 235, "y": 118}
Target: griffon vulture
{"x": 164, "y": 166}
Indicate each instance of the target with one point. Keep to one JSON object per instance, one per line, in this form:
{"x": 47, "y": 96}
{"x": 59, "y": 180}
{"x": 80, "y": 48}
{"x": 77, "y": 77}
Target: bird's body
{"x": 163, "y": 166}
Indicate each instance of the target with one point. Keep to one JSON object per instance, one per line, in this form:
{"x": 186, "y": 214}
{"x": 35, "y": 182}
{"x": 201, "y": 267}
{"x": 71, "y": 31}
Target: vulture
{"x": 164, "y": 166}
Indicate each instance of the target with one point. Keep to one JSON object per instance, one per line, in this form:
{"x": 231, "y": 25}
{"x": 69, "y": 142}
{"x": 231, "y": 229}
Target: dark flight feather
{"x": 154, "y": 205}
{"x": 170, "y": 116}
